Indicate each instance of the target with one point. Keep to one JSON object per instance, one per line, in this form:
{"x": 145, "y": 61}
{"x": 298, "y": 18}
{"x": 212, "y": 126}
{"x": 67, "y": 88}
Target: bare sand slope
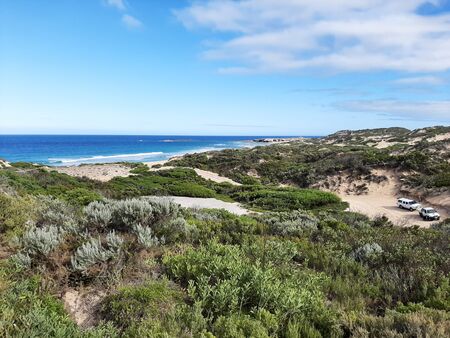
{"x": 4, "y": 164}
{"x": 381, "y": 199}
{"x": 209, "y": 203}
{"x": 99, "y": 172}
{"x": 207, "y": 175}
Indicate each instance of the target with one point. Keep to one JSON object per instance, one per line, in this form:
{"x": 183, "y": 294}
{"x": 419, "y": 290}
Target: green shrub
{"x": 421, "y": 323}
{"x": 239, "y": 326}
{"x": 221, "y": 224}
{"x": 439, "y": 180}
{"x": 26, "y": 311}
{"x": 41, "y": 182}
{"x": 177, "y": 182}
{"x": 287, "y": 199}
{"x": 15, "y": 212}
{"x": 226, "y": 281}
{"x": 153, "y": 300}
{"x": 293, "y": 223}
{"x": 81, "y": 196}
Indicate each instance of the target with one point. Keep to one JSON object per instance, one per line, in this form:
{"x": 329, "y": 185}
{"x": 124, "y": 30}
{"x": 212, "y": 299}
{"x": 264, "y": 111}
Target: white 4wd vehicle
{"x": 404, "y": 203}
{"x": 429, "y": 214}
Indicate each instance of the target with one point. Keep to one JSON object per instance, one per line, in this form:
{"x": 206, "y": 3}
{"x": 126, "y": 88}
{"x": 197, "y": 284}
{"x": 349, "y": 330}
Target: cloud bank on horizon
{"x": 266, "y": 36}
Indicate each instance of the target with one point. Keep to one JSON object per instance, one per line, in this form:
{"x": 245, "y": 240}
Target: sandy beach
{"x": 98, "y": 172}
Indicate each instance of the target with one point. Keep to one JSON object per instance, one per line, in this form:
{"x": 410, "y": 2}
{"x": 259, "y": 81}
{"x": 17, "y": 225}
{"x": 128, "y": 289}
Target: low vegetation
{"x": 304, "y": 164}
{"x": 300, "y": 267}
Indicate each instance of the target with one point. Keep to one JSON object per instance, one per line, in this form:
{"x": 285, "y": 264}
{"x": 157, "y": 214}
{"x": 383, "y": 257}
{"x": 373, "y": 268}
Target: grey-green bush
{"x": 42, "y": 240}
{"x": 293, "y": 223}
{"x": 145, "y": 236}
{"x": 125, "y": 214}
{"x": 93, "y": 252}
{"x": 53, "y": 211}
{"x": 21, "y": 260}
{"x": 367, "y": 252}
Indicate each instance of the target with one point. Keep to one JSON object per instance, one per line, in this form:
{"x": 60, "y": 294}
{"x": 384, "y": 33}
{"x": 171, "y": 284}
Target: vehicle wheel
{"x": 411, "y": 209}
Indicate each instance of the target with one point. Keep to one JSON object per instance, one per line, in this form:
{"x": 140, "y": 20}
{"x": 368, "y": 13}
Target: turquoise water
{"x": 79, "y": 149}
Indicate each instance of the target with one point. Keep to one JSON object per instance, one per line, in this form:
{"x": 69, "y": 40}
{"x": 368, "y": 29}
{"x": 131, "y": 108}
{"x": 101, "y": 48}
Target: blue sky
{"x": 250, "y": 67}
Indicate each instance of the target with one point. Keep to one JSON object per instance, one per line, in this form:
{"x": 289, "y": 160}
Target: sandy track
{"x": 381, "y": 199}
{"x": 374, "y": 206}
{"x": 208, "y": 203}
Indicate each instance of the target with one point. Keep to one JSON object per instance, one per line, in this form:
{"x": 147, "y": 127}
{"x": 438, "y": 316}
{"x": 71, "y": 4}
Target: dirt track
{"x": 381, "y": 199}
{"x": 209, "y": 203}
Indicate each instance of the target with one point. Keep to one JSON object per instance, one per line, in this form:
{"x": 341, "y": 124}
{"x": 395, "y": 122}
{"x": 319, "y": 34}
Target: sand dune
{"x": 107, "y": 171}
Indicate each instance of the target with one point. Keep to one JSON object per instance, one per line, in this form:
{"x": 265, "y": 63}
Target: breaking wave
{"x": 105, "y": 158}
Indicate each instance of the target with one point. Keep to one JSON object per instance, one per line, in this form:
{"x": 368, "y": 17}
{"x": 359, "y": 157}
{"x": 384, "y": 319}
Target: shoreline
{"x": 121, "y": 158}
{"x": 75, "y": 153}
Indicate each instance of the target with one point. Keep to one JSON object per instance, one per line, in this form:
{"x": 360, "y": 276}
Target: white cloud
{"x": 131, "y": 21}
{"x": 119, "y": 4}
{"x": 420, "y": 80}
{"x": 351, "y": 35}
{"x": 423, "y": 110}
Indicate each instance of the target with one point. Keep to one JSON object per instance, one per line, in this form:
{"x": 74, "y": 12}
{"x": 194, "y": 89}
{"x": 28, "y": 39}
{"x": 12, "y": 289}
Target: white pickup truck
{"x": 404, "y": 203}
{"x": 429, "y": 214}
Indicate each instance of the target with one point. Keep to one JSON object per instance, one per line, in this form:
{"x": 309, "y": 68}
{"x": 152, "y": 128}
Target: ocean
{"x": 82, "y": 149}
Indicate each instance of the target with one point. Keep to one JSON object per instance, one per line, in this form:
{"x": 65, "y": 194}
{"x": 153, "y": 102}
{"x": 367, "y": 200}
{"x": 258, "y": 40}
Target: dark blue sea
{"x": 79, "y": 149}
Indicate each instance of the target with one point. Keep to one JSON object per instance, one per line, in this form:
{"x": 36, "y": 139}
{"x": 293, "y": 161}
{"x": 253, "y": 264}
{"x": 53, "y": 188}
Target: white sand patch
{"x": 4, "y": 164}
{"x": 208, "y": 203}
{"x": 98, "y": 172}
{"x": 384, "y": 144}
{"x": 441, "y": 137}
{"x": 253, "y": 173}
{"x": 82, "y": 306}
{"x": 209, "y": 175}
